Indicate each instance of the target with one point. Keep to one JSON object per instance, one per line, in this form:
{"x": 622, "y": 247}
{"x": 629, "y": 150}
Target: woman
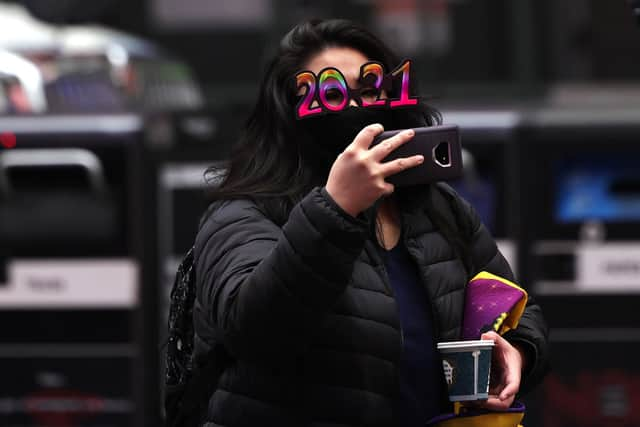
{"x": 327, "y": 287}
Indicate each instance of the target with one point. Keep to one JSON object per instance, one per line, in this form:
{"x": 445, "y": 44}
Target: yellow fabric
{"x": 506, "y": 321}
{"x": 456, "y": 407}
{"x": 493, "y": 419}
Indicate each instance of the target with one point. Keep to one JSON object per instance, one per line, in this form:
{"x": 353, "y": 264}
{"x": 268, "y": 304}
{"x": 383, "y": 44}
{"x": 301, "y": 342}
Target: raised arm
{"x": 266, "y": 288}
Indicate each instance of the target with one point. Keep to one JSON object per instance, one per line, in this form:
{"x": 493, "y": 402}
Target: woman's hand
{"x": 506, "y": 371}
{"x": 356, "y": 179}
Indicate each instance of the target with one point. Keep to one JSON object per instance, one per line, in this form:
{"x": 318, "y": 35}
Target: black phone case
{"x": 424, "y": 142}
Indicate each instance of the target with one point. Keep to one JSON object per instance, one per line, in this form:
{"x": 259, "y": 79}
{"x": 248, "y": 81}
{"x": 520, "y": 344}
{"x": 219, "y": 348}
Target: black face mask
{"x": 333, "y": 132}
{"x": 327, "y": 135}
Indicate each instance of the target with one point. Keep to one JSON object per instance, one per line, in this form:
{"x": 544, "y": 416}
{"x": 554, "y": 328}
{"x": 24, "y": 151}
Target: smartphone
{"x": 442, "y": 151}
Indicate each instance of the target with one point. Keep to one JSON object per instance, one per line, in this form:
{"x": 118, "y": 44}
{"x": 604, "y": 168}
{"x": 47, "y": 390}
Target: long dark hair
{"x": 266, "y": 164}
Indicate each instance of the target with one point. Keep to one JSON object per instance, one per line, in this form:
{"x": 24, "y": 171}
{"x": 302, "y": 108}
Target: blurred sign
{"x": 595, "y": 379}
{"x": 607, "y": 398}
{"x": 410, "y": 26}
{"x": 179, "y": 14}
{"x": 508, "y": 249}
{"x": 70, "y": 284}
{"x": 610, "y": 267}
{"x": 66, "y": 392}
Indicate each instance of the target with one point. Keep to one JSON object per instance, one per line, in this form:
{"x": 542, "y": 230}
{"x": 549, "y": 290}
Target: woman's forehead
{"x": 345, "y": 59}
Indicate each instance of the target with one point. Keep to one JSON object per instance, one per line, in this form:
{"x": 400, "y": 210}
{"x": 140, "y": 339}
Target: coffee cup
{"x": 467, "y": 368}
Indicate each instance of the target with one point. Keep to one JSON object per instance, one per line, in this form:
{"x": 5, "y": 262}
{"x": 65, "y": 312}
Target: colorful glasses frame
{"x": 372, "y": 76}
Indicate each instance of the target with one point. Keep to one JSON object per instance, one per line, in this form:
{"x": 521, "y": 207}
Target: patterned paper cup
{"x": 467, "y": 366}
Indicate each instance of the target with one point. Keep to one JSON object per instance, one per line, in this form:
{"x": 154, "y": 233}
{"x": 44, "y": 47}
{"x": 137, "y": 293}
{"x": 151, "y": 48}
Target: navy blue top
{"x": 421, "y": 375}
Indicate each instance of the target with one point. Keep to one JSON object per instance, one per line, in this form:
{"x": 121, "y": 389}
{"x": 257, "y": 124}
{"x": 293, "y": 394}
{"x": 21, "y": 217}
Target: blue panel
{"x": 593, "y": 188}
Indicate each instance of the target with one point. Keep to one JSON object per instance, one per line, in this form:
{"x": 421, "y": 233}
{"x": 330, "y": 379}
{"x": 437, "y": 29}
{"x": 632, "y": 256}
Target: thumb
{"x": 491, "y": 336}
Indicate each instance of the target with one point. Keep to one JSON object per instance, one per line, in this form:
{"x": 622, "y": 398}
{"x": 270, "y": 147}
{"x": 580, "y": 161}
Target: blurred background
{"x": 110, "y": 111}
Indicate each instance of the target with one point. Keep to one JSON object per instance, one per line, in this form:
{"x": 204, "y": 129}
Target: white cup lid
{"x": 465, "y": 344}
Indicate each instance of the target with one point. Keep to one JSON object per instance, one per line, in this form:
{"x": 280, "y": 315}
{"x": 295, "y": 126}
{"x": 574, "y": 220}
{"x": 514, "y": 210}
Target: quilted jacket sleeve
{"x": 266, "y": 288}
{"x": 532, "y": 331}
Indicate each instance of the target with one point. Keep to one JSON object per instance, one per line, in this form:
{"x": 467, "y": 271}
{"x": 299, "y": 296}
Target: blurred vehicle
{"x": 86, "y": 69}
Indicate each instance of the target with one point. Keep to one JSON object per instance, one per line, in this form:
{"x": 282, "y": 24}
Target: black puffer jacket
{"x": 307, "y": 314}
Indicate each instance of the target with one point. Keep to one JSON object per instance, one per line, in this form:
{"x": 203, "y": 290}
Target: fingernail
{"x": 409, "y": 132}
{"x": 420, "y": 159}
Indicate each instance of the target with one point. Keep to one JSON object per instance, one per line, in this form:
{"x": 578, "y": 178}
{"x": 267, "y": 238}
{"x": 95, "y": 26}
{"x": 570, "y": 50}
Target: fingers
{"x": 510, "y": 389}
{"x": 507, "y": 384}
{"x": 493, "y": 336}
{"x": 388, "y": 189}
{"x": 497, "y": 404}
{"x": 506, "y": 371}
{"x": 508, "y": 362}
{"x": 365, "y": 137}
{"x": 382, "y": 150}
{"x": 511, "y": 380}
{"x": 398, "y": 165}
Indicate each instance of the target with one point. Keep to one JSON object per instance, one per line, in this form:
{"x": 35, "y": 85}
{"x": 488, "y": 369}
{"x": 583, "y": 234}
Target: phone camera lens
{"x": 442, "y": 155}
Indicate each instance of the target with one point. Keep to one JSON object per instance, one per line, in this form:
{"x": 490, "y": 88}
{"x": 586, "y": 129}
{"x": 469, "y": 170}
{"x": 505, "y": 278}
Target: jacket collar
{"x": 413, "y": 202}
